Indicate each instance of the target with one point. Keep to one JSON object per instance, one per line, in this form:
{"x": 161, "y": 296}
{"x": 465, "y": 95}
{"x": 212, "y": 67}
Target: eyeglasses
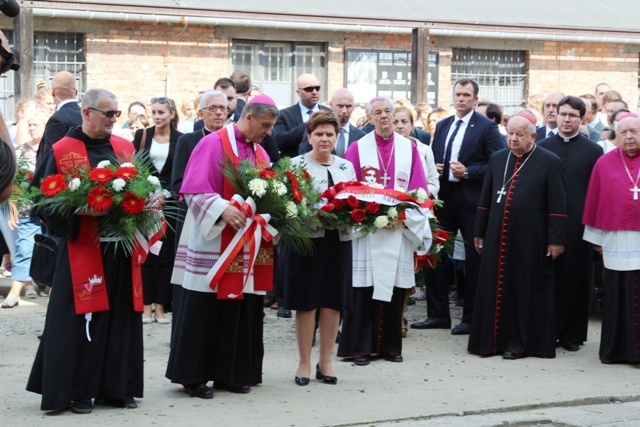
{"x": 214, "y": 108}
{"x": 8, "y": 61}
{"x": 108, "y": 114}
{"x": 310, "y": 89}
{"x": 163, "y": 100}
{"x": 568, "y": 115}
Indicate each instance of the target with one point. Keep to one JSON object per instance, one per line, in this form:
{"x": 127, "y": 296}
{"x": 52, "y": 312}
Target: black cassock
{"x": 578, "y": 155}
{"x": 67, "y": 366}
{"x": 514, "y": 306}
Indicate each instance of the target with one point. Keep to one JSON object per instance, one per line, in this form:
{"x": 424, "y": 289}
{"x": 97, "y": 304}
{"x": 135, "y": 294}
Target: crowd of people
{"x": 517, "y": 190}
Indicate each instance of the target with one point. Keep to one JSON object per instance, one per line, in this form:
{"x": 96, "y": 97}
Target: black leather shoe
{"x": 199, "y": 390}
{"x": 233, "y": 388}
{"x": 302, "y": 381}
{"x": 569, "y": 346}
{"x": 461, "y": 329}
{"x": 511, "y": 355}
{"x": 432, "y": 323}
{"x": 284, "y": 312}
{"x": 325, "y": 378}
{"x": 362, "y": 360}
{"x": 393, "y": 358}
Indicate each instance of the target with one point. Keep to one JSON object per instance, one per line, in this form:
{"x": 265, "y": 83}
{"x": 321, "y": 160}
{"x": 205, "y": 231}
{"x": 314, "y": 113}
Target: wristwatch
{"x": 465, "y": 175}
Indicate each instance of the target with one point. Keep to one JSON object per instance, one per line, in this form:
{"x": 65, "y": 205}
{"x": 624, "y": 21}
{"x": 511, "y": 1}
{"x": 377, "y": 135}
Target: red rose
{"x": 126, "y": 173}
{"x": 372, "y": 207}
{"x": 101, "y": 175}
{"x": 329, "y": 194}
{"x": 297, "y": 195}
{"x": 402, "y": 215}
{"x": 100, "y": 198}
{"x": 353, "y": 202}
{"x": 329, "y": 207}
{"x": 440, "y": 236}
{"x": 339, "y": 187}
{"x": 267, "y": 174}
{"x": 358, "y": 215}
{"x": 52, "y": 185}
{"x": 338, "y": 203}
{"x": 132, "y": 204}
{"x": 30, "y": 176}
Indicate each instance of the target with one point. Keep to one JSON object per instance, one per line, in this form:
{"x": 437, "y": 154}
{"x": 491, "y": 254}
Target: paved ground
{"x": 439, "y": 384}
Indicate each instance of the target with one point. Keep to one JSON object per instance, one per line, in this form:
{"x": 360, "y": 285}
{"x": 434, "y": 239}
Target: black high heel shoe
{"x": 325, "y": 379}
{"x": 302, "y": 381}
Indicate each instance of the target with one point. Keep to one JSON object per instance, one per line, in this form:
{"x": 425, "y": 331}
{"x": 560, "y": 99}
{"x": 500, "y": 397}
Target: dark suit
{"x": 421, "y": 135}
{"x": 541, "y": 133}
{"x": 481, "y": 139}
{"x": 67, "y": 117}
{"x": 289, "y": 131}
{"x": 354, "y": 135}
{"x": 184, "y": 147}
{"x": 165, "y": 174}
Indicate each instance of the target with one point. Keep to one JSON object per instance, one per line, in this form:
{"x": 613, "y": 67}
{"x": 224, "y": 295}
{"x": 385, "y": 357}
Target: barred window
{"x": 499, "y": 73}
{"x": 275, "y": 66}
{"x": 53, "y": 52}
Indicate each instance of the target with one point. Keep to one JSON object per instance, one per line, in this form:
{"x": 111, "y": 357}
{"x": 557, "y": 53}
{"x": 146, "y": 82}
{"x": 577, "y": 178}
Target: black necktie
{"x": 447, "y": 154}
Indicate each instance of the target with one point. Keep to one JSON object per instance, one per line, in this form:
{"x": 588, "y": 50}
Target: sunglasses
{"x": 8, "y": 61}
{"x": 108, "y": 114}
{"x": 310, "y": 89}
{"x": 163, "y": 100}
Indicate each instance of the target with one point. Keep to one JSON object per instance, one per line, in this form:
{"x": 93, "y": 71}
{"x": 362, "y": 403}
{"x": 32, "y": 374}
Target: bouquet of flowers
{"x": 22, "y": 195}
{"x": 285, "y": 192}
{"x": 367, "y": 208}
{"x": 119, "y": 192}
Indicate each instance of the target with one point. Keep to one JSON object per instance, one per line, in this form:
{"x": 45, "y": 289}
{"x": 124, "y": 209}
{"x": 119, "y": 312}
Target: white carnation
{"x": 421, "y": 195}
{"x": 381, "y": 221}
{"x": 392, "y": 213}
{"x": 279, "y": 188}
{"x": 104, "y": 164}
{"x": 118, "y": 184}
{"x": 74, "y": 184}
{"x": 153, "y": 180}
{"x": 127, "y": 165}
{"x": 258, "y": 187}
{"x": 292, "y": 210}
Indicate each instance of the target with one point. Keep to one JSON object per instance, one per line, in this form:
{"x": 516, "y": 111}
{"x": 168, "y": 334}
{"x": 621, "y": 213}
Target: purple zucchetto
{"x": 262, "y": 99}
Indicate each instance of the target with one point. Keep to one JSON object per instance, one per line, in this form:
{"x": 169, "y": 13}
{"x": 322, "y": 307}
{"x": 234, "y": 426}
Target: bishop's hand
{"x": 234, "y": 217}
{"x": 478, "y": 242}
{"x": 554, "y": 251}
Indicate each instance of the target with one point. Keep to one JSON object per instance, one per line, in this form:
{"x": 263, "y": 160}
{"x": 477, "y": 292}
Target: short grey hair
{"x": 378, "y": 99}
{"x": 259, "y": 110}
{"x": 93, "y": 97}
{"x": 616, "y": 124}
{"x": 204, "y": 99}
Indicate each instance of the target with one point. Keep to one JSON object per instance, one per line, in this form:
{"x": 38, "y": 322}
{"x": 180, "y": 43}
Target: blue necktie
{"x": 447, "y": 154}
{"x": 550, "y": 134}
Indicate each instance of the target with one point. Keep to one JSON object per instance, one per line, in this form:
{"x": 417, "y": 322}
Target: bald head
{"x": 342, "y": 103}
{"x": 308, "y": 90}
{"x": 64, "y": 87}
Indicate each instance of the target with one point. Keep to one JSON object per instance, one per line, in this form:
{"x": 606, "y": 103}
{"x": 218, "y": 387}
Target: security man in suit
{"x": 68, "y": 114}
{"x": 549, "y": 117}
{"x": 462, "y": 145}
{"x": 289, "y": 130}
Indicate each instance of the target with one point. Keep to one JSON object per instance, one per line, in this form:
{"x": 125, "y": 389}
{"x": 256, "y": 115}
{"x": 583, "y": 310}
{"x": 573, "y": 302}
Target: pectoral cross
{"x": 500, "y": 193}
{"x": 635, "y": 191}
{"x": 386, "y": 179}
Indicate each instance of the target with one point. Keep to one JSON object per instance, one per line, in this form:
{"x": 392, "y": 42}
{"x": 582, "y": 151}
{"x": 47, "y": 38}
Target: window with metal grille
{"x": 275, "y": 66}
{"x": 53, "y": 52}
{"x": 499, "y": 73}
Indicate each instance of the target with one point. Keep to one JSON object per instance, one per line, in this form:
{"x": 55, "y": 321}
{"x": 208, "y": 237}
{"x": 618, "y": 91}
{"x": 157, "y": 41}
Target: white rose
{"x": 118, "y": 184}
{"x": 74, "y": 184}
{"x": 392, "y": 213}
{"x": 292, "y": 210}
{"x": 127, "y": 165}
{"x": 258, "y": 187}
{"x": 421, "y": 195}
{"x": 104, "y": 164}
{"x": 153, "y": 180}
{"x": 381, "y": 221}
{"x": 279, "y": 188}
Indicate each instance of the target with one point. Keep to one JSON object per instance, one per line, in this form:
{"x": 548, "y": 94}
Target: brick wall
{"x": 134, "y": 59}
